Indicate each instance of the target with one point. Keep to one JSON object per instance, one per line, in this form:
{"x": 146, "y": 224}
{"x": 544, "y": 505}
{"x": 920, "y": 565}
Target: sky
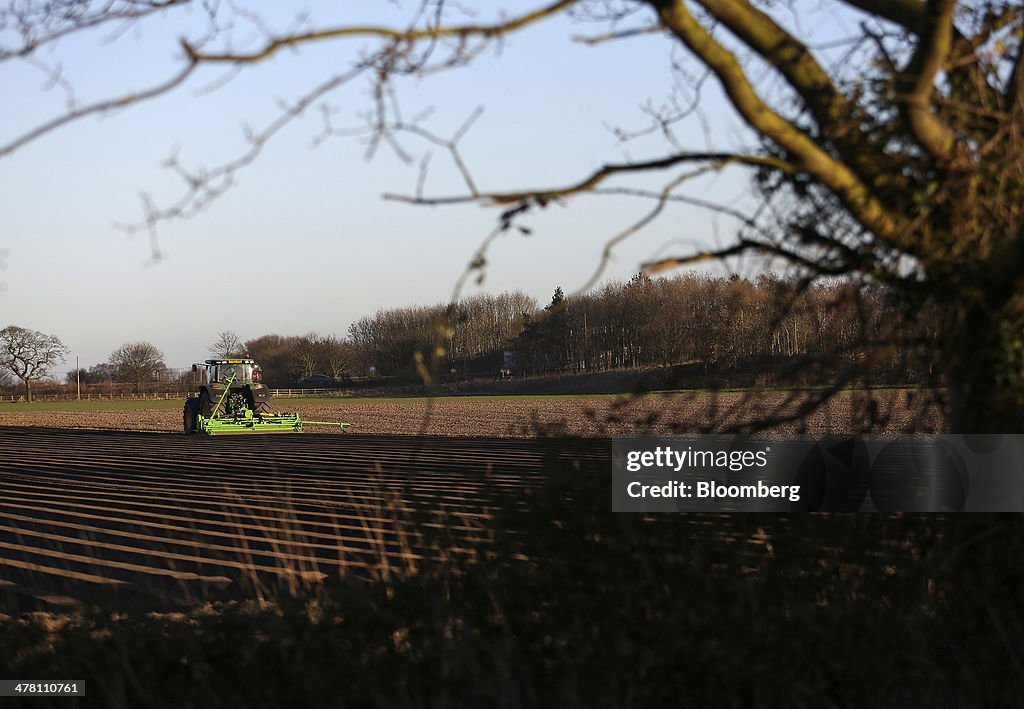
{"x": 304, "y": 240}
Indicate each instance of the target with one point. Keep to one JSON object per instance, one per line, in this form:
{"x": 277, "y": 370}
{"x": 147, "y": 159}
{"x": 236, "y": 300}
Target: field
{"x": 101, "y": 495}
{"x": 187, "y": 517}
{"x": 891, "y": 410}
{"x": 477, "y": 566}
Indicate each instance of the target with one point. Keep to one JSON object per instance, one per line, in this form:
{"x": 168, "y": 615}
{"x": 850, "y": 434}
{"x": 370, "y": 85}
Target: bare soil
{"x": 889, "y": 411}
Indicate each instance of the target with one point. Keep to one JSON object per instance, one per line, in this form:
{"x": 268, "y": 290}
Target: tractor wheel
{"x": 189, "y": 415}
{"x": 205, "y": 404}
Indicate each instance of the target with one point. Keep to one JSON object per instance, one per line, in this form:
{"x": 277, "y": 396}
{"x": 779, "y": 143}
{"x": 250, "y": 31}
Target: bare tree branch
{"x": 906, "y": 13}
{"x": 917, "y": 80}
{"x": 451, "y": 145}
{"x": 99, "y": 107}
{"x": 806, "y": 153}
{"x": 33, "y": 21}
{"x": 1015, "y": 90}
{"x": 618, "y": 34}
{"x": 543, "y": 196}
{"x": 739, "y": 248}
{"x": 207, "y": 185}
{"x": 791, "y": 57}
{"x": 408, "y": 35}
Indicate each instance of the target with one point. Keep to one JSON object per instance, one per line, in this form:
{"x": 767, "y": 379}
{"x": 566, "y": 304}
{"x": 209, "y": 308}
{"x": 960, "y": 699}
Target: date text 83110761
{"x": 42, "y": 688}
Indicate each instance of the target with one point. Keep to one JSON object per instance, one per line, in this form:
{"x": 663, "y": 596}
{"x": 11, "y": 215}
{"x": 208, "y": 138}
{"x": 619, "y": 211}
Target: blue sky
{"x": 304, "y": 241}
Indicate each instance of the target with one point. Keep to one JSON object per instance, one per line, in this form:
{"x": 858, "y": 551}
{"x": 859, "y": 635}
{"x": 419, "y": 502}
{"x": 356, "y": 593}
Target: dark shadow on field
{"x": 73, "y": 432}
{"x": 557, "y": 600}
{"x": 108, "y": 517}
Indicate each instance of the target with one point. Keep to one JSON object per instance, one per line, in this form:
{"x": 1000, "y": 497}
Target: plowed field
{"x": 890, "y": 410}
{"x": 153, "y": 512}
{"x": 170, "y": 514}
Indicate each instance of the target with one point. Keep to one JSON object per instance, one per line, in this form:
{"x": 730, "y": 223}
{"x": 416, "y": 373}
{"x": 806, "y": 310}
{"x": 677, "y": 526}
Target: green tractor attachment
{"x": 233, "y": 400}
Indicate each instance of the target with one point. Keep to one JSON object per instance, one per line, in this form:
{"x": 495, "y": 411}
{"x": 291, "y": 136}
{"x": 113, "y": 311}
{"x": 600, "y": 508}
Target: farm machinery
{"x": 232, "y": 399}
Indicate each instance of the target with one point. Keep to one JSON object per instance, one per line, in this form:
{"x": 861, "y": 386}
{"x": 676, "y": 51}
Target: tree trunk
{"x": 987, "y": 373}
{"x": 28, "y": 390}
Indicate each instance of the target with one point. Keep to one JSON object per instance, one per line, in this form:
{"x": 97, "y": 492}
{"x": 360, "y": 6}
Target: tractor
{"x": 232, "y": 399}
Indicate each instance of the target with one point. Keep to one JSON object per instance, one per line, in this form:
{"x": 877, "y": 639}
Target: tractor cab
{"x": 220, "y": 371}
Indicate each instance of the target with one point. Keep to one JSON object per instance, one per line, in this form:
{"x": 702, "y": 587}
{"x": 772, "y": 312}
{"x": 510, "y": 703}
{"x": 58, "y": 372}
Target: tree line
{"x": 285, "y": 360}
{"x": 725, "y": 324}
{"x": 721, "y": 324}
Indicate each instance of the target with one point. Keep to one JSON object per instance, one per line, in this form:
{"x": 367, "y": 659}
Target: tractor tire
{"x": 189, "y": 414}
{"x": 205, "y": 403}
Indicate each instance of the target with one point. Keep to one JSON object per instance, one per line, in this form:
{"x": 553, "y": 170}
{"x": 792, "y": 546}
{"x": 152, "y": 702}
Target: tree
{"x": 29, "y": 354}
{"x": 395, "y": 340}
{"x": 894, "y": 162}
{"x": 137, "y": 362}
{"x": 275, "y": 355}
{"x": 103, "y": 372}
{"x": 75, "y": 376}
{"x": 227, "y": 345}
{"x": 908, "y": 174}
{"x": 337, "y": 356}
{"x": 306, "y": 356}
{"x": 555, "y": 329}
